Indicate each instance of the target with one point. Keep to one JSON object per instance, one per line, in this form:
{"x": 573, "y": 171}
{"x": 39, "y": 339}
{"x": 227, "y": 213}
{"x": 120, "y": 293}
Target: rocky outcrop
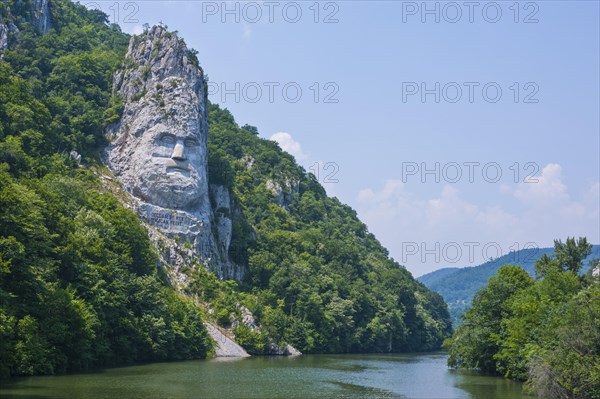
{"x": 247, "y": 319}
{"x": 8, "y": 29}
{"x": 40, "y": 15}
{"x": 273, "y": 349}
{"x": 283, "y": 192}
{"x": 286, "y": 350}
{"x": 223, "y": 209}
{"x": 158, "y": 152}
{"x": 159, "y": 149}
{"x": 224, "y": 346}
{"x": 224, "y": 212}
{"x": 4, "y": 32}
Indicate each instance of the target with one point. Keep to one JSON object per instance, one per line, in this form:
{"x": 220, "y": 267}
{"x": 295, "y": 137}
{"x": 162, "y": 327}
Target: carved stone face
{"x": 159, "y": 147}
{"x": 166, "y": 166}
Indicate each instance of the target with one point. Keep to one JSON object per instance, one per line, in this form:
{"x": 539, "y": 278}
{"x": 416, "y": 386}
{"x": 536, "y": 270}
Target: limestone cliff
{"x": 159, "y": 151}
{"x": 7, "y": 30}
{"x": 283, "y": 192}
{"x": 40, "y": 15}
{"x": 37, "y": 14}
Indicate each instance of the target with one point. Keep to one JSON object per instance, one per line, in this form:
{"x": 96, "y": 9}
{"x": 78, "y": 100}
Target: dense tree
{"x": 569, "y": 365}
{"x": 476, "y": 342}
{"x": 79, "y": 287}
{"x": 544, "y": 331}
{"x": 79, "y": 283}
{"x": 323, "y": 281}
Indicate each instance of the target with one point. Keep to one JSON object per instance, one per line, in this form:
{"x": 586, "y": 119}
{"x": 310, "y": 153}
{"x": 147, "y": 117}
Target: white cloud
{"x": 544, "y": 211}
{"x": 495, "y": 217}
{"x": 288, "y": 144}
{"x": 449, "y": 208}
{"x": 327, "y": 173}
{"x": 389, "y": 190}
{"x": 592, "y": 196}
{"x": 546, "y": 188}
{"x": 383, "y": 206}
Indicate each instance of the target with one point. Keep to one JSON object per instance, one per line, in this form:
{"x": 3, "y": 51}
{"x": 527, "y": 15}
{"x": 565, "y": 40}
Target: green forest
{"x": 317, "y": 278}
{"x": 79, "y": 282}
{"x": 543, "y": 330}
{"x": 81, "y": 285}
{"x": 458, "y": 285}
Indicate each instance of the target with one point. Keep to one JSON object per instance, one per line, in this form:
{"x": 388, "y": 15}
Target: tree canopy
{"x": 79, "y": 282}
{"x": 543, "y": 331}
{"x": 79, "y": 287}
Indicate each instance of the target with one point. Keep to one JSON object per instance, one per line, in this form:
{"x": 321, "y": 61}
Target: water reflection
{"x": 420, "y": 376}
{"x": 478, "y": 386}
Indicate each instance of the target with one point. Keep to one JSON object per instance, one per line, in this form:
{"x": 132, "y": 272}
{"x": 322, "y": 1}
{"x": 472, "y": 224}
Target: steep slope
{"x": 310, "y": 274}
{"x": 84, "y": 282}
{"x": 158, "y": 148}
{"x": 459, "y": 285}
{"x": 79, "y": 286}
{"x": 321, "y": 281}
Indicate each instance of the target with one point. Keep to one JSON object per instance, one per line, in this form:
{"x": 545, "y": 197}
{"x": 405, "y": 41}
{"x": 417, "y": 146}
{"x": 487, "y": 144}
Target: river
{"x": 422, "y": 376}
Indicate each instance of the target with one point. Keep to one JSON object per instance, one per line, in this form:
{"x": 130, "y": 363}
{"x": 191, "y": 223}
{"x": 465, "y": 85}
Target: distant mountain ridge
{"x": 458, "y": 285}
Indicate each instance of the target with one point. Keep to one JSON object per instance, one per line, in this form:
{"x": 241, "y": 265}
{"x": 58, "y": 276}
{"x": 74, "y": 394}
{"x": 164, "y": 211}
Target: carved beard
{"x": 158, "y": 182}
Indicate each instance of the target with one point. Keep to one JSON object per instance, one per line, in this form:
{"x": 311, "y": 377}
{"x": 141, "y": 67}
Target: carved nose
{"x": 178, "y": 152}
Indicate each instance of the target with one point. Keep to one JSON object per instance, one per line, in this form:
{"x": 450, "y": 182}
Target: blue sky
{"x": 371, "y": 129}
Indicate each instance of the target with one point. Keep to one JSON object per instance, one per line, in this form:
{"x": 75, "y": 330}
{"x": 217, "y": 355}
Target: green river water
{"x": 422, "y": 376}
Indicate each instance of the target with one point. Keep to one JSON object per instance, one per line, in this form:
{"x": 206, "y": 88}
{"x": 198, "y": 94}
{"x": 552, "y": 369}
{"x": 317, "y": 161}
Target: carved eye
{"x": 167, "y": 139}
{"x": 191, "y": 143}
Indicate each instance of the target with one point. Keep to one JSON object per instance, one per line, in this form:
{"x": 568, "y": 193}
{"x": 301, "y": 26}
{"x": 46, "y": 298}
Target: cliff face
{"x": 4, "y": 33}
{"x": 8, "y": 29}
{"x": 38, "y": 15}
{"x": 159, "y": 148}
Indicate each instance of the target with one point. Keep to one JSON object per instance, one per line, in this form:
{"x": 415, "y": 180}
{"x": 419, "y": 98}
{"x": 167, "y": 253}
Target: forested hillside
{"x": 79, "y": 286}
{"x": 543, "y": 330}
{"x": 458, "y": 285}
{"x": 79, "y": 283}
{"x": 326, "y": 282}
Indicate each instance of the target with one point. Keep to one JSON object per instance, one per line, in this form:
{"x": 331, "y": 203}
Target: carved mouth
{"x": 178, "y": 166}
{"x": 182, "y": 168}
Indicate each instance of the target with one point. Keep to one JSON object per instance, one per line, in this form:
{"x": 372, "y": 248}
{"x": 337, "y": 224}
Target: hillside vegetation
{"x": 458, "y": 285}
{"x": 79, "y": 283}
{"x": 317, "y": 278}
{"x": 545, "y": 331}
